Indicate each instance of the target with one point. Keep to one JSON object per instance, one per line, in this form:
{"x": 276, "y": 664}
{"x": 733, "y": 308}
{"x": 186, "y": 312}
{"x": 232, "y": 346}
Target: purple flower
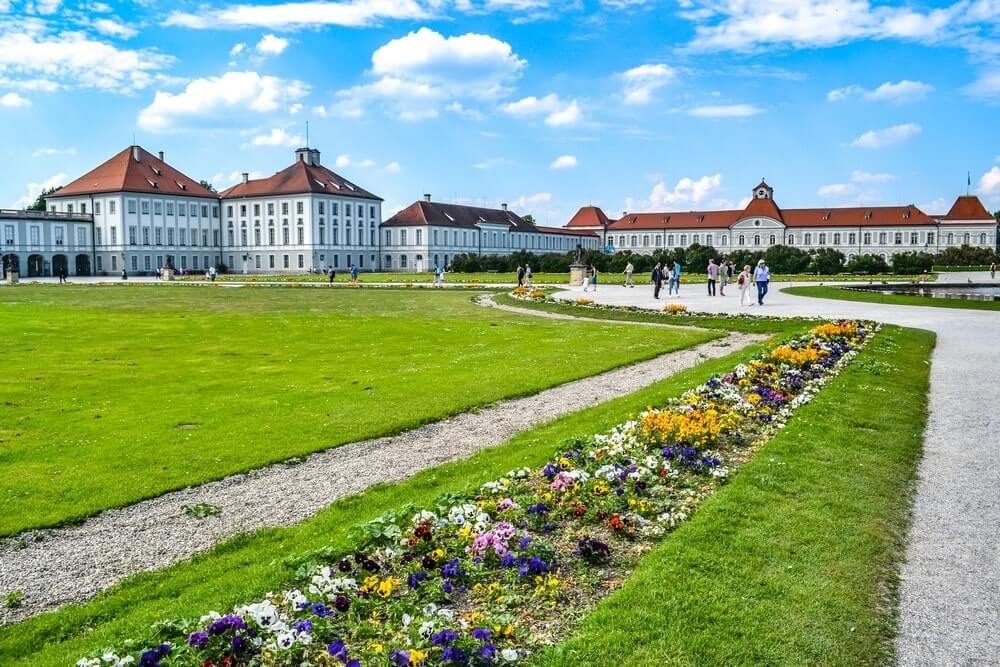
{"x": 523, "y": 543}
{"x": 320, "y": 609}
{"x": 447, "y": 587}
{"x": 304, "y": 626}
{"x": 345, "y": 565}
{"x": 539, "y": 509}
{"x": 197, "y": 639}
{"x": 454, "y": 655}
{"x": 399, "y": 658}
{"x": 239, "y": 643}
{"x": 226, "y": 623}
{"x": 341, "y": 603}
{"x": 550, "y": 470}
{"x": 452, "y": 569}
{"x": 338, "y": 649}
{"x": 444, "y": 638}
{"x": 482, "y": 634}
{"x": 488, "y": 652}
{"x": 413, "y": 581}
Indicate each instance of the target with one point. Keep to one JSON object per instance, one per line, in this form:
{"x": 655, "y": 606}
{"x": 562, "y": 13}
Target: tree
{"x": 870, "y": 264}
{"x": 39, "y": 204}
{"x": 785, "y": 259}
{"x": 208, "y": 186}
{"x": 827, "y": 261}
{"x": 912, "y": 263}
{"x": 697, "y": 257}
{"x": 530, "y": 219}
{"x": 965, "y": 256}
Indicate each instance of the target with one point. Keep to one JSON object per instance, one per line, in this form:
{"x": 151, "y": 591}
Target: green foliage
{"x": 827, "y": 261}
{"x": 326, "y": 367}
{"x": 39, "y": 203}
{"x": 781, "y": 259}
{"x": 912, "y": 262}
{"x": 13, "y": 599}
{"x": 965, "y": 256}
{"x": 208, "y": 186}
{"x": 869, "y": 264}
{"x": 200, "y": 510}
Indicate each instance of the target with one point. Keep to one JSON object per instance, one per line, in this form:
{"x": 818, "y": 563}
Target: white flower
{"x": 407, "y": 619}
{"x": 285, "y": 640}
{"x": 508, "y": 654}
{"x": 426, "y": 629}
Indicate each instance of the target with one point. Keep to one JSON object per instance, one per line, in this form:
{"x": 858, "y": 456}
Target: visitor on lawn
{"x": 762, "y": 276}
{"x": 673, "y": 283}
{"x": 331, "y": 275}
{"x": 591, "y": 283}
{"x": 628, "y": 275}
{"x": 743, "y": 283}
{"x": 657, "y": 279}
{"x": 520, "y": 276}
{"x": 355, "y": 271}
{"x": 677, "y": 277}
{"x": 993, "y": 270}
{"x": 527, "y": 273}
{"x": 713, "y": 276}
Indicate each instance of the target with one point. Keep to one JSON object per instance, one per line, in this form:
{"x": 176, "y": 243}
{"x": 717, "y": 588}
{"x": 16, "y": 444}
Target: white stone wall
{"x": 43, "y": 245}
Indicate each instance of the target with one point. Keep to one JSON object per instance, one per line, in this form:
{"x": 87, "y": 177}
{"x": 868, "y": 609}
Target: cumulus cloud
{"x": 859, "y": 176}
{"x": 424, "y": 71}
{"x": 276, "y": 137}
{"x": 836, "y": 190}
{"x": 686, "y": 194}
{"x": 45, "y": 59}
{"x": 237, "y": 49}
{"x": 889, "y": 136}
{"x": 642, "y": 81}
{"x": 271, "y": 45}
{"x": 556, "y": 111}
{"x": 35, "y": 189}
{"x": 725, "y": 111}
{"x": 217, "y": 99}
{"x": 900, "y": 93}
{"x": 989, "y": 184}
{"x": 563, "y": 162}
{"x": 291, "y": 15}
{"x": 986, "y": 86}
{"x": 113, "y": 28}
{"x": 13, "y": 100}
{"x": 526, "y": 201}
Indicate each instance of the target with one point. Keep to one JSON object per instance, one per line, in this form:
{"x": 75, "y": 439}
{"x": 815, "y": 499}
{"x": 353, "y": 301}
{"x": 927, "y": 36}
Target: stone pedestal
{"x": 12, "y": 277}
{"x": 167, "y": 273}
{"x": 577, "y": 274}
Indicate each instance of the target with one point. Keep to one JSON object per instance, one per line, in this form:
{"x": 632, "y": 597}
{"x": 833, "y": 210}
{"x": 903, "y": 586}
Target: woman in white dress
{"x": 744, "y": 281}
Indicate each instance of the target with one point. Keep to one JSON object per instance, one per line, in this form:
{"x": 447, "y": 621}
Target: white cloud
{"x": 45, "y": 152}
{"x": 986, "y": 86}
{"x": 276, "y": 137}
{"x": 423, "y": 72}
{"x": 642, "y": 81}
{"x": 563, "y": 162}
{"x": 295, "y": 108}
{"x": 465, "y": 112}
{"x": 687, "y": 193}
{"x": 237, "y": 49}
{"x": 46, "y": 6}
{"x": 746, "y": 26}
{"x": 113, "y": 28}
{"x": 271, "y": 45}
{"x": 345, "y": 160}
{"x": 989, "y": 183}
{"x": 937, "y": 206}
{"x": 29, "y": 52}
{"x": 291, "y": 15}
{"x": 13, "y": 100}
{"x": 556, "y": 111}
{"x": 867, "y": 177}
{"x": 725, "y": 111}
{"x": 527, "y": 201}
{"x": 492, "y": 163}
{"x": 220, "y": 180}
{"x": 392, "y": 168}
{"x": 219, "y": 98}
{"x": 35, "y": 189}
{"x": 889, "y": 136}
{"x": 900, "y": 93}
{"x": 836, "y": 190}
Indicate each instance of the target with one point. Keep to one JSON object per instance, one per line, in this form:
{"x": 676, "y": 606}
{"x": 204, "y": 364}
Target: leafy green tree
{"x": 208, "y": 186}
{"x": 697, "y": 257}
{"x": 870, "y": 264}
{"x": 785, "y": 259}
{"x": 39, "y": 204}
{"x": 749, "y": 258}
{"x": 530, "y": 219}
{"x": 965, "y": 256}
{"x": 912, "y": 263}
{"x": 827, "y": 261}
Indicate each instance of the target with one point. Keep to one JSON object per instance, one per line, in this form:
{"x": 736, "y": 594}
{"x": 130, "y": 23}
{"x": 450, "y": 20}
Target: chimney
{"x": 135, "y": 153}
{"x": 504, "y": 206}
{"x": 246, "y": 177}
{"x": 427, "y": 197}
{"x": 161, "y": 156}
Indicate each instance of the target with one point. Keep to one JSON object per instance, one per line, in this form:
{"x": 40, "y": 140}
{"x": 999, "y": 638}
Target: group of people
{"x": 757, "y": 278}
{"x": 524, "y": 275}
{"x": 663, "y": 271}
{"x": 331, "y": 274}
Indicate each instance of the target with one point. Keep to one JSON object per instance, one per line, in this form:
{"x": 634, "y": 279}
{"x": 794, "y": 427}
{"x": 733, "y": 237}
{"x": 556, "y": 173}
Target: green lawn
{"x": 116, "y": 394}
{"x": 749, "y": 324}
{"x": 244, "y": 568}
{"x": 796, "y": 561}
{"x": 891, "y": 299}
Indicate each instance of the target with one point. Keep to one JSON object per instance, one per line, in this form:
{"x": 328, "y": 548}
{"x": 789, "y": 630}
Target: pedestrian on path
{"x": 355, "y": 272}
{"x": 672, "y": 283}
{"x": 657, "y": 279}
{"x": 520, "y": 276}
{"x": 62, "y": 275}
{"x": 993, "y": 270}
{"x": 527, "y": 274}
{"x": 590, "y": 285}
{"x": 629, "y": 269}
{"x": 439, "y": 276}
{"x": 124, "y": 274}
{"x": 761, "y": 276}
{"x": 213, "y": 273}
{"x": 331, "y": 275}
{"x": 713, "y": 276}
{"x": 677, "y": 277}
{"x": 727, "y": 277}
{"x": 743, "y": 283}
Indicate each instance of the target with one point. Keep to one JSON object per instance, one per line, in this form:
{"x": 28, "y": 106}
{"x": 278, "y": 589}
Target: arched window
{"x": 270, "y": 234}
{"x": 335, "y": 234}
{"x": 791, "y": 239}
{"x": 743, "y": 239}
{"x": 402, "y": 261}
{"x": 256, "y": 233}
{"x": 965, "y": 239}
{"x": 773, "y": 239}
{"x": 982, "y": 239}
{"x": 388, "y": 261}
{"x": 284, "y": 233}
{"x": 951, "y": 239}
{"x": 725, "y": 239}
{"x": 756, "y": 239}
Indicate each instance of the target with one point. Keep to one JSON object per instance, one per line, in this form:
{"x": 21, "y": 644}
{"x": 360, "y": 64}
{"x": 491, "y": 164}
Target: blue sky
{"x": 545, "y": 104}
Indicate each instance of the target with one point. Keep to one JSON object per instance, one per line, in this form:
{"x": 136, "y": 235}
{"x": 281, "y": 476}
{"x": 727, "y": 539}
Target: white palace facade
{"x": 866, "y": 230}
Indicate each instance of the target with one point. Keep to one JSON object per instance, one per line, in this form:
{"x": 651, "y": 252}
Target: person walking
{"x": 355, "y": 272}
{"x": 520, "y": 276}
{"x": 527, "y": 274}
{"x": 331, "y": 275}
{"x": 213, "y": 273}
{"x": 124, "y": 274}
{"x": 672, "y": 280}
{"x": 727, "y": 276}
{"x": 677, "y": 277}
{"x": 993, "y": 270}
{"x": 713, "y": 276}
{"x": 743, "y": 284}
{"x": 439, "y": 276}
{"x": 629, "y": 269}
{"x": 657, "y": 279}
{"x": 761, "y": 276}
{"x": 590, "y": 285}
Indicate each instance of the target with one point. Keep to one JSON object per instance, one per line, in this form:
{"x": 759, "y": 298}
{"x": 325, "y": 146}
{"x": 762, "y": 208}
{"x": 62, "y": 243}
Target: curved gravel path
{"x": 949, "y": 611}
{"x": 59, "y": 566}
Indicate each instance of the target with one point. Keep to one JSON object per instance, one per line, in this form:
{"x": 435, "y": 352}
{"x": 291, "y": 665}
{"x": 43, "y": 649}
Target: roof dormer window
{"x": 155, "y": 170}
{"x": 181, "y": 185}
{"x": 320, "y": 183}
{"x": 152, "y": 184}
{"x": 447, "y": 215}
{"x": 826, "y": 215}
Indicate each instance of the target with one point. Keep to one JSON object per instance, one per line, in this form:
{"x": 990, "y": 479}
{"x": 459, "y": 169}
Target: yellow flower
{"x": 375, "y": 647}
{"x": 417, "y": 656}
{"x": 387, "y": 586}
{"x": 564, "y": 463}
{"x": 465, "y": 531}
{"x": 437, "y": 554}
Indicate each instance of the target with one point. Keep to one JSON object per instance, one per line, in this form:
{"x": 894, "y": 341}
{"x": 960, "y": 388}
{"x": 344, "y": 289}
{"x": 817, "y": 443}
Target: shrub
{"x": 870, "y": 264}
{"x": 965, "y": 256}
{"x": 909, "y": 263}
{"x": 827, "y": 261}
{"x": 781, "y": 259}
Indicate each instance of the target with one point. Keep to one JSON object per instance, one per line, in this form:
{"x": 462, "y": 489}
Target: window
{"x": 170, "y": 208}
{"x": 982, "y": 239}
{"x": 284, "y": 235}
{"x": 321, "y": 208}
{"x": 34, "y": 234}
{"x": 322, "y": 235}
{"x": 881, "y": 238}
{"x": 333, "y": 208}
{"x": 809, "y": 239}
{"x": 114, "y": 234}
{"x": 83, "y": 209}
{"x": 361, "y": 211}
{"x": 69, "y": 208}
{"x": 867, "y": 238}
{"x": 684, "y": 239}
{"x": 256, "y": 261}
{"x": 204, "y": 214}
{"x": 898, "y": 238}
{"x": 270, "y": 211}
{"x": 402, "y": 238}
{"x": 194, "y": 262}
{"x": 204, "y": 237}
{"x": 131, "y": 206}
{"x": 301, "y": 235}
{"x": 158, "y": 234}
{"x": 256, "y": 210}
{"x": 791, "y": 239}
{"x": 742, "y": 239}
{"x": 157, "y": 208}
{"x": 215, "y": 237}
{"x": 852, "y": 238}
{"x": 965, "y": 238}
{"x": 284, "y": 261}
{"x": 135, "y": 263}
{"x": 388, "y": 238}
{"x": 298, "y": 208}
{"x": 772, "y": 241}
{"x": 170, "y": 236}
{"x": 347, "y": 210}
{"x": 284, "y": 208}
{"x": 951, "y": 238}
{"x": 97, "y": 208}
{"x": 229, "y": 211}
{"x": 131, "y": 235}
{"x": 182, "y": 209}
{"x": 302, "y": 261}
{"x": 215, "y": 214}
{"x": 184, "y": 261}
{"x": 270, "y": 261}
{"x": 145, "y": 207}
{"x": 645, "y": 240}
{"x": 914, "y": 238}
{"x": 402, "y": 261}
{"x": 111, "y": 207}
{"x": 256, "y": 235}
{"x": 371, "y": 211}
{"x": 756, "y": 239}
{"x": 146, "y": 263}
{"x": 243, "y": 210}
{"x": 145, "y": 236}
{"x": 114, "y": 262}
{"x": 243, "y": 236}
{"x": 81, "y": 236}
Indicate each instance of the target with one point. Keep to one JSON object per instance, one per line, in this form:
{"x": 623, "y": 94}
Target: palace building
{"x": 428, "y": 234}
{"x": 854, "y": 231}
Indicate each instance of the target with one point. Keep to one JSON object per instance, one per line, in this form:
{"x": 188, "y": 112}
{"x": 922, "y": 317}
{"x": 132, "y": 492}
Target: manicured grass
{"x": 246, "y": 567}
{"x": 891, "y": 299}
{"x": 796, "y": 561}
{"x": 115, "y": 394}
{"x": 746, "y": 324}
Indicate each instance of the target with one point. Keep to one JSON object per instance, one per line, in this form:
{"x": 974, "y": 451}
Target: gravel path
{"x": 59, "y": 566}
{"x": 949, "y": 611}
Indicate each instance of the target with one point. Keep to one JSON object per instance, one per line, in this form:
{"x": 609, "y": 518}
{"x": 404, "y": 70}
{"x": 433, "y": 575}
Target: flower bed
{"x": 484, "y": 578}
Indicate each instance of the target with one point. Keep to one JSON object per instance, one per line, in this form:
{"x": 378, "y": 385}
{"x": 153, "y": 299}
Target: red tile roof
{"x": 765, "y": 208}
{"x": 123, "y": 173}
{"x": 859, "y": 216}
{"x": 564, "y": 231}
{"x": 967, "y": 207}
{"x": 589, "y": 216}
{"x": 468, "y": 217}
{"x": 676, "y": 220}
{"x": 299, "y": 178}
